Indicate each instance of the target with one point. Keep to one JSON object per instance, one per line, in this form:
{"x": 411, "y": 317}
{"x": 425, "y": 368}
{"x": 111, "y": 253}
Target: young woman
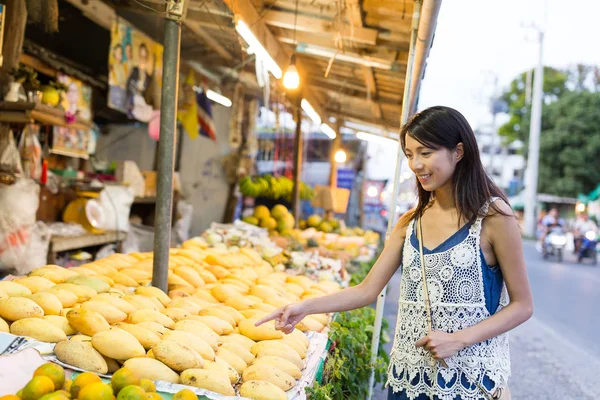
{"x": 475, "y": 272}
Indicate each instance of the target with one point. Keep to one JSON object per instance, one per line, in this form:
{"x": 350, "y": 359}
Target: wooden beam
{"x": 370, "y": 83}
{"x": 350, "y": 58}
{"x": 286, "y": 20}
{"x": 340, "y": 97}
{"x": 391, "y": 126}
{"x": 205, "y": 37}
{"x": 337, "y": 85}
{"x": 372, "y": 97}
{"x": 309, "y": 38}
{"x": 202, "y": 13}
{"x": 396, "y": 26}
{"x": 38, "y": 65}
{"x": 354, "y": 13}
{"x": 352, "y": 98}
{"x": 96, "y": 10}
{"x": 245, "y": 10}
{"x": 323, "y": 8}
{"x": 382, "y": 54}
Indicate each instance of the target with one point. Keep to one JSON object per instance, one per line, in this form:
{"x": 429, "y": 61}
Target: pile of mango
{"x": 201, "y": 333}
{"x": 279, "y": 219}
{"x": 49, "y": 383}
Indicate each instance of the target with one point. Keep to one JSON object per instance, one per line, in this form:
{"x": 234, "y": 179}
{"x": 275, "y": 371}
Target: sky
{"x": 478, "y": 39}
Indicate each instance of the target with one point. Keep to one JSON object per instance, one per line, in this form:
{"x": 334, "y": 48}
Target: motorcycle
{"x": 588, "y": 247}
{"x": 554, "y": 244}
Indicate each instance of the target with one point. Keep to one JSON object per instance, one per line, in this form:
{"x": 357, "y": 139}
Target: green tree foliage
{"x": 518, "y": 126}
{"x": 570, "y": 145}
{"x": 570, "y": 137}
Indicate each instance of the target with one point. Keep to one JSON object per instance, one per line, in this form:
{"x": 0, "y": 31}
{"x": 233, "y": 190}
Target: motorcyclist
{"x": 582, "y": 225}
{"x": 551, "y": 221}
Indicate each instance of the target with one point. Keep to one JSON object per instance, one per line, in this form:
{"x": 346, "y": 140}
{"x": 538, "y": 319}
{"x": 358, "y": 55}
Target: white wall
{"x": 202, "y": 175}
{"x": 127, "y": 142}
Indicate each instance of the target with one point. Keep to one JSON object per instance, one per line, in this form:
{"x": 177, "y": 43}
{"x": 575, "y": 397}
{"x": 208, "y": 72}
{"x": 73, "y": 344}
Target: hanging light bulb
{"x": 340, "y": 156}
{"x": 291, "y": 79}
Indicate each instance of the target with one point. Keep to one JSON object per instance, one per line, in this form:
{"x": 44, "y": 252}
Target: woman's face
{"x": 433, "y": 168}
{"x": 143, "y": 54}
{"x": 118, "y": 54}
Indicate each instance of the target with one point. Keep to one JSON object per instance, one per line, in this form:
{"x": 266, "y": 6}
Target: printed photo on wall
{"x": 71, "y": 142}
{"x": 77, "y": 100}
{"x": 135, "y": 67}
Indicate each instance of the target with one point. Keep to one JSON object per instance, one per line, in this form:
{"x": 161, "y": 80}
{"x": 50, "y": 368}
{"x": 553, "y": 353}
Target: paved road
{"x": 556, "y": 354}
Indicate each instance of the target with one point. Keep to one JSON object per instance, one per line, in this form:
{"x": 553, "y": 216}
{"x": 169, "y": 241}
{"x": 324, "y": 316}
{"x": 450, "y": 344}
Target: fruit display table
{"x": 201, "y": 334}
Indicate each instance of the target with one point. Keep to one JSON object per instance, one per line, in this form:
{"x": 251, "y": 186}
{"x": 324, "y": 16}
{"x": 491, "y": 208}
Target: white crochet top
{"x": 456, "y": 291}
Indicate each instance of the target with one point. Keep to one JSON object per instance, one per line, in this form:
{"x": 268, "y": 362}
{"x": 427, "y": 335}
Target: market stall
{"x": 352, "y": 66}
{"x": 219, "y": 284}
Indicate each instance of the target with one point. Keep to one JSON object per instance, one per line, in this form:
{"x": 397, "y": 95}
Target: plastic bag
{"x": 36, "y": 254}
{"x": 106, "y": 251}
{"x": 10, "y": 160}
{"x": 116, "y": 203}
{"x": 31, "y": 152}
{"x": 184, "y": 223}
{"x": 18, "y": 208}
{"x": 140, "y": 238}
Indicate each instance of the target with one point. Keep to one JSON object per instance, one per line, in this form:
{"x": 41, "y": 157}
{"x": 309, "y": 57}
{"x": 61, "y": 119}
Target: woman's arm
{"x": 366, "y": 292}
{"x": 357, "y": 296}
{"x": 506, "y": 241}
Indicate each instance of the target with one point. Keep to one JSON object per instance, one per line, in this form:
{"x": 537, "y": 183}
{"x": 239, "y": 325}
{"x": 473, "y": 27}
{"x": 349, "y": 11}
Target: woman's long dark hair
{"x": 443, "y": 127}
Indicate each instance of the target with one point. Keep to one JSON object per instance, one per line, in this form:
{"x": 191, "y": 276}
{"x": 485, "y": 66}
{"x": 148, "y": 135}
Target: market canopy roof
{"x": 352, "y": 54}
{"x": 592, "y": 196}
{"x": 518, "y": 201}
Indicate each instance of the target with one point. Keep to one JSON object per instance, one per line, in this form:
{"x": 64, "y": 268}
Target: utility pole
{"x": 531, "y": 178}
{"x": 494, "y": 109}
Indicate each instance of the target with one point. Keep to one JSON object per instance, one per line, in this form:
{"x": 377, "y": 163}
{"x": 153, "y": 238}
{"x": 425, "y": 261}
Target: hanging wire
{"x": 150, "y": 8}
{"x": 295, "y": 26}
{"x": 263, "y": 13}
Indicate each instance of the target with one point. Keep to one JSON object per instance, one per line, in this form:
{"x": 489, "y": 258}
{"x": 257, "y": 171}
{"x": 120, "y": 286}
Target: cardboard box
{"x": 335, "y": 199}
{"x": 151, "y": 182}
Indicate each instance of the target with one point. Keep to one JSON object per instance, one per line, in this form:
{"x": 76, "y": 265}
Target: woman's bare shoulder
{"x": 500, "y": 219}
{"x": 402, "y": 225}
{"x": 499, "y": 208}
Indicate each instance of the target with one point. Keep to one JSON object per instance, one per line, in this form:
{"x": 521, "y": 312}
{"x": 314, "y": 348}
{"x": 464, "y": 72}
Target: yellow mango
{"x": 88, "y": 322}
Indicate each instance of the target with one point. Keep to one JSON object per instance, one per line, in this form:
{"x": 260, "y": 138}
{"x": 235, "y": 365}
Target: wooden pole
{"x": 15, "y": 22}
{"x": 232, "y": 199}
{"x": 335, "y": 146}
{"x": 298, "y": 146}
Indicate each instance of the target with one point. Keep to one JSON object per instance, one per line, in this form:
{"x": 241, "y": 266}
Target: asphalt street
{"x": 556, "y": 354}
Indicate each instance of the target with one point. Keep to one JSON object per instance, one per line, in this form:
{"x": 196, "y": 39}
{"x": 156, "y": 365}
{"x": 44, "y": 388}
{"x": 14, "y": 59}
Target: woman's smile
{"x": 423, "y": 178}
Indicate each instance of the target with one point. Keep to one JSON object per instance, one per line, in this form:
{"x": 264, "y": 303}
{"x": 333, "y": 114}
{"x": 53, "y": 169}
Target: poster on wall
{"x": 2, "y": 14}
{"x": 77, "y": 100}
{"x": 135, "y": 71}
{"x": 71, "y": 142}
